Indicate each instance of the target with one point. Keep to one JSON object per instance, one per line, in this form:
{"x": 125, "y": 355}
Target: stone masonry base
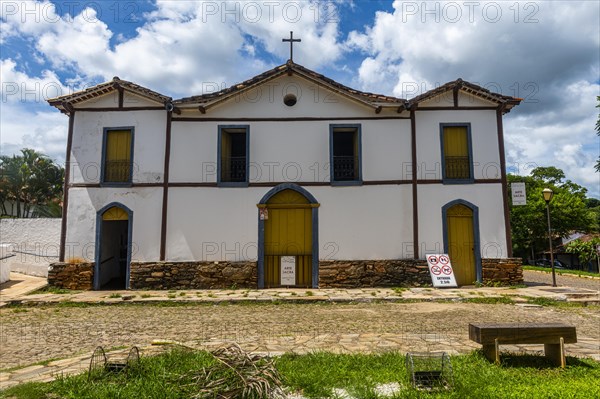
{"x": 332, "y": 274}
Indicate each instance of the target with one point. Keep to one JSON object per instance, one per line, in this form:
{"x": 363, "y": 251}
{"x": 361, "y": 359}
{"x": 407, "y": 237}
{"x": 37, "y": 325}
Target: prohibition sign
{"x": 447, "y": 269}
{"x": 433, "y": 260}
{"x": 444, "y": 260}
{"x": 436, "y": 270}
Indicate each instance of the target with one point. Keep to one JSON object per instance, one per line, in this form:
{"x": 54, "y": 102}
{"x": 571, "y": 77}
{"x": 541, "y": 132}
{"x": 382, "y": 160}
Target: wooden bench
{"x": 553, "y": 336}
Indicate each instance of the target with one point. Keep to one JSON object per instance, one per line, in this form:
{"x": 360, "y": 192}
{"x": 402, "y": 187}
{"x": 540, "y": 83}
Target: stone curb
{"x": 575, "y": 298}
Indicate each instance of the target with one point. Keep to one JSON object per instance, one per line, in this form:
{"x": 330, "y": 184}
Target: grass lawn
{"x": 560, "y": 271}
{"x": 316, "y": 375}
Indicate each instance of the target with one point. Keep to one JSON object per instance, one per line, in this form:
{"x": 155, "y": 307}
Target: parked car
{"x": 546, "y": 263}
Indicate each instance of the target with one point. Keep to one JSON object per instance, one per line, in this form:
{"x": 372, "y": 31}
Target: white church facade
{"x": 287, "y": 172}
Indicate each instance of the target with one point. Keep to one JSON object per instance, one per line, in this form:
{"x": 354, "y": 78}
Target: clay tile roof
{"x": 280, "y": 70}
{"x": 469, "y": 88}
{"x": 105, "y": 88}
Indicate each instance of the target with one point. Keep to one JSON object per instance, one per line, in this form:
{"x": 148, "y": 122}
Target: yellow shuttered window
{"x": 117, "y": 156}
{"x": 457, "y": 162}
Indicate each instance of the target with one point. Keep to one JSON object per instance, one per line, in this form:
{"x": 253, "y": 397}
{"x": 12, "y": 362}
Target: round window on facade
{"x": 290, "y": 100}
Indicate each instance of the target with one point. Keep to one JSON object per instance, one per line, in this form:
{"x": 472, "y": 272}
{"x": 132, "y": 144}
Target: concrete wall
{"x": 35, "y": 243}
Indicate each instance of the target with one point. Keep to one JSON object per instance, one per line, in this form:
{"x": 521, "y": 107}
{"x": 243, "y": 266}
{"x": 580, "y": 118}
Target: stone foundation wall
{"x": 506, "y": 271}
{"x": 373, "y": 273}
{"x": 332, "y": 274}
{"x": 72, "y": 276}
{"x": 193, "y": 275}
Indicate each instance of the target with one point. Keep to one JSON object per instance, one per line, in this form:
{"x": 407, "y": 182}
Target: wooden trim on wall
{"x": 451, "y": 108}
{"x": 385, "y": 182}
{"x": 165, "y": 201}
{"x": 499, "y": 123}
{"x": 415, "y": 205}
{"x": 63, "y": 222}
{"x": 191, "y": 184}
{"x": 121, "y": 109}
{"x": 299, "y": 119}
{"x": 455, "y": 95}
{"x": 121, "y": 96}
{"x": 273, "y": 184}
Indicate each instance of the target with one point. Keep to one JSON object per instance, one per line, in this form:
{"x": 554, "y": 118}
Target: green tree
{"x": 598, "y": 133}
{"x": 32, "y": 183}
{"x": 568, "y": 211}
{"x": 586, "y": 251}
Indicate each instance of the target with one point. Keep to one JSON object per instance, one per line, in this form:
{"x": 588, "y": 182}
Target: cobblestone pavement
{"x": 68, "y": 327}
{"x": 37, "y": 334}
{"x": 535, "y": 277}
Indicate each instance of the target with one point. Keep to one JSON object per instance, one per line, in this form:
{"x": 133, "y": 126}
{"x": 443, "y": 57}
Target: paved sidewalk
{"x": 20, "y": 288}
{"x": 17, "y": 293}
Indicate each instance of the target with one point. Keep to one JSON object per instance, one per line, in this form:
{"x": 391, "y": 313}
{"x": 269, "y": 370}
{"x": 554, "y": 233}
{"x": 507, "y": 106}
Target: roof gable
{"x": 68, "y": 102}
{"x": 459, "y": 85}
{"x": 206, "y": 101}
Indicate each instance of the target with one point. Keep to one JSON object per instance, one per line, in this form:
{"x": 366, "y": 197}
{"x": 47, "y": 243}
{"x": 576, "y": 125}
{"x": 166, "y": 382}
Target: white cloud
{"x": 545, "y": 52}
{"x": 184, "y": 46}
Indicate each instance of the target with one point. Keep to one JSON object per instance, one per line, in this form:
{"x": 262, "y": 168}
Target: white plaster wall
{"x": 468, "y": 100}
{"x": 213, "y": 223}
{"x": 266, "y": 101}
{"x": 371, "y": 222}
{"x": 445, "y": 99}
{"x": 194, "y": 152}
{"x": 484, "y": 137}
{"x": 108, "y": 100}
{"x": 487, "y": 197}
{"x": 386, "y": 150}
{"x": 84, "y": 203}
{"x": 34, "y": 242}
{"x": 133, "y": 100}
{"x": 4, "y": 263}
{"x": 291, "y": 151}
{"x": 149, "y": 144}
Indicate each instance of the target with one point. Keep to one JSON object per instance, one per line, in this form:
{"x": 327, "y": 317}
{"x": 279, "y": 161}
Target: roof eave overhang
{"x": 290, "y": 70}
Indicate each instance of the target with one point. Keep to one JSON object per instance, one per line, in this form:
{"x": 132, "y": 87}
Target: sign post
{"x": 440, "y": 269}
{"x": 288, "y": 270}
{"x": 519, "y": 196}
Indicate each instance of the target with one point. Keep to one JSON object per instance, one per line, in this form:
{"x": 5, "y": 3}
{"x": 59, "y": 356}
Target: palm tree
{"x": 32, "y": 182}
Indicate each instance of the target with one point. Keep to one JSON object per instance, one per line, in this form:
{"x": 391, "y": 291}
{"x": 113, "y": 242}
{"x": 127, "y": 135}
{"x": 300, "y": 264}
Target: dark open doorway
{"x": 113, "y": 259}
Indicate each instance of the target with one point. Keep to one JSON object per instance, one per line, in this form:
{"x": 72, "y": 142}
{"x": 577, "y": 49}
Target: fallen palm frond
{"x": 238, "y": 374}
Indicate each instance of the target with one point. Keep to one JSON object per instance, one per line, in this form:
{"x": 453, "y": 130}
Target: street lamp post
{"x": 548, "y": 194}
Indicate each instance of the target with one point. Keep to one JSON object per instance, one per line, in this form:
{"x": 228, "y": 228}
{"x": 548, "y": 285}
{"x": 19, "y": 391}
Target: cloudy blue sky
{"x": 546, "y": 52}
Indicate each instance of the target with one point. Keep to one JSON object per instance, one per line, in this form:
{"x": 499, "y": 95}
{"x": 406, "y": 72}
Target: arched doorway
{"x": 288, "y": 238}
{"x": 113, "y": 248}
{"x": 461, "y": 241}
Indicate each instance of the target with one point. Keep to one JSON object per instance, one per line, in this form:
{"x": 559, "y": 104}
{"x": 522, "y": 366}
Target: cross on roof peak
{"x": 291, "y": 40}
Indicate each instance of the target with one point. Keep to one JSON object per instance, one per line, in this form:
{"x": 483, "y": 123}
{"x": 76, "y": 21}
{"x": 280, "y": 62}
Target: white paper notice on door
{"x": 288, "y": 270}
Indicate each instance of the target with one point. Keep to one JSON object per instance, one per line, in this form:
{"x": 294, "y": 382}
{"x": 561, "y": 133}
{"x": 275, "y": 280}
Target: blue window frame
{"x": 233, "y": 164}
{"x": 456, "y": 153}
{"x": 117, "y": 156}
{"x": 345, "y": 159}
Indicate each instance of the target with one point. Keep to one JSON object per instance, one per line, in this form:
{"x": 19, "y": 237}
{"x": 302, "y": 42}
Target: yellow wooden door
{"x": 288, "y": 232}
{"x": 461, "y": 244}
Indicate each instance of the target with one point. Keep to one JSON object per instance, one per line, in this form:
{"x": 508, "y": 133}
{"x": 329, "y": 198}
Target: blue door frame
{"x": 99, "y": 242}
{"x": 315, "y": 232}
